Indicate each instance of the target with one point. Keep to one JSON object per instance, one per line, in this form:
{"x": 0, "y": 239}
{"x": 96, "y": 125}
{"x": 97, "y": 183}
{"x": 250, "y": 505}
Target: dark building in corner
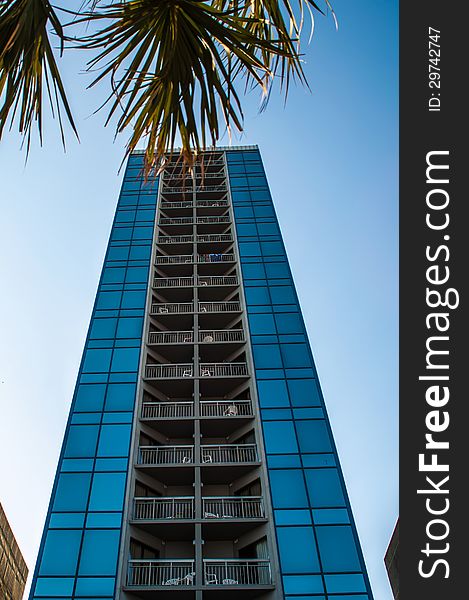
{"x": 198, "y": 461}
{"x": 13, "y": 569}
{"x": 391, "y": 560}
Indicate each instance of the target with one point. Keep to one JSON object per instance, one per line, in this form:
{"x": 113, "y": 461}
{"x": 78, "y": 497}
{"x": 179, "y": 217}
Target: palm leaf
{"x": 173, "y": 66}
{"x": 27, "y": 65}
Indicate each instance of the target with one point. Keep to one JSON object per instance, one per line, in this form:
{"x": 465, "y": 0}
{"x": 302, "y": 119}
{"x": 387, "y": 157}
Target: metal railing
{"x": 156, "y": 572}
{"x": 174, "y": 260}
{"x": 169, "y": 371}
{"x": 176, "y": 221}
{"x": 233, "y": 507}
{"x": 214, "y": 203}
{"x": 154, "y": 509}
{"x": 198, "y": 189}
{"x": 173, "y": 282}
{"x": 174, "y": 239}
{"x": 214, "y": 237}
{"x": 215, "y": 257}
{"x": 165, "y": 455}
{"x": 170, "y": 337}
{"x": 216, "y": 281}
{"x": 167, "y": 410}
{"x": 172, "y": 308}
{"x": 221, "y": 335}
{"x": 226, "y": 408}
{"x": 218, "y": 307}
{"x": 184, "y": 204}
{"x": 229, "y": 453}
{"x": 250, "y": 572}
{"x": 223, "y": 369}
{"x": 222, "y": 219}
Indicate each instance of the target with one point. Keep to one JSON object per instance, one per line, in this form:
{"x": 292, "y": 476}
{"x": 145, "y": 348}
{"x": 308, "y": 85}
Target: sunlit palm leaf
{"x": 173, "y": 64}
{"x": 27, "y": 65}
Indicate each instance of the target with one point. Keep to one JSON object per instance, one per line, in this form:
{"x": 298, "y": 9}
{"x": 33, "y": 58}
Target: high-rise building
{"x": 198, "y": 461}
{"x": 13, "y": 569}
{"x": 391, "y": 560}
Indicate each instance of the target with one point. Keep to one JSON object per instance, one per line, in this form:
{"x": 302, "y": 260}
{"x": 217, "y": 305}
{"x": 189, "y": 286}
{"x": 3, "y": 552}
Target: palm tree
{"x": 175, "y": 67}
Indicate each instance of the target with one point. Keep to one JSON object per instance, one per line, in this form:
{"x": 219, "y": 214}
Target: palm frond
{"x": 173, "y": 66}
{"x": 28, "y": 65}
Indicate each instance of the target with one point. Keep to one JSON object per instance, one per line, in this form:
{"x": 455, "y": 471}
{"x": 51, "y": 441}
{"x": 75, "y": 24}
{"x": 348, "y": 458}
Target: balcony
{"x": 175, "y": 239}
{"x": 233, "y": 507}
{"x": 211, "y": 203}
{"x": 169, "y": 371}
{"x": 219, "y": 307}
{"x": 160, "y": 509}
{"x": 170, "y": 337}
{"x": 165, "y": 455}
{"x": 224, "y": 370}
{"x": 218, "y": 281}
{"x": 237, "y": 572}
{"x": 173, "y": 419}
{"x": 172, "y": 308}
{"x": 165, "y": 205}
{"x": 172, "y": 282}
{"x": 209, "y": 238}
{"x": 151, "y": 573}
{"x": 215, "y": 257}
{"x": 228, "y": 453}
{"x": 208, "y": 336}
{"x": 174, "y": 260}
{"x": 167, "y": 410}
{"x": 175, "y": 221}
{"x": 225, "y": 408}
{"x": 223, "y": 463}
{"x": 213, "y": 220}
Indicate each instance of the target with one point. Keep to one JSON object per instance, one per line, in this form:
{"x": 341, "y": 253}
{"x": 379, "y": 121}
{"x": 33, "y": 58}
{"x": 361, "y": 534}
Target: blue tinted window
{"x": 103, "y": 328}
{"x": 264, "y": 210}
{"x": 114, "y": 440}
{"x": 125, "y": 359}
{"x": 143, "y": 233}
{"x": 293, "y": 517}
{"x": 72, "y": 492}
{"x": 280, "y": 437}
{"x": 113, "y": 275}
{"x": 303, "y": 584}
{"x": 81, "y": 441}
{"x": 140, "y": 252}
{"x": 297, "y": 550}
{"x": 246, "y": 230}
{"x": 261, "y": 324}
{"x": 267, "y": 356}
{"x": 288, "y": 489}
{"x": 295, "y": 355}
{"x": 133, "y": 299}
{"x": 95, "y": 586}
{"x": 253, "y": 271}
{"x": 121, "y": 234}
{"x": 272, "y": 248}
{"x": 345, "y": 583}
{"x": 99, "y": 552}
{"x": 282, "y": 294}
{"x": 257, "y": 295}
{"x": 272, "y": 393}
{"x": 313, "y": 436}
{"x": 108, "y": 300}
{"x": 118, "y": 253}
{"x": 54, "y": 586}
{"x": 289, "y": 323}
{"x": 97, "y": 361}
{"x": 249, "y": 249}
{"x": 60, "y": 552}
{"x": 136, "y": 275}
{"x": 328, "y": 516}
{"x": 107, "y": 492}
{"x": 304, "y": 392}
{"x": 277, "y": 270}
{"x": 130, "y": 327}
{"x": 120, "y": 396}
{"x": 337, "y": 548}
{"x": 324, "y": 487}
{"x": 90, "y": 397}
{"x": 244, "y": 212}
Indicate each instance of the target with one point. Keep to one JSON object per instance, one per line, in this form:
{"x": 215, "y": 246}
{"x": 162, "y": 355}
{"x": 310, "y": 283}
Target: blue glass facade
{"x": 319, "y": 550}
{"x": 79, "y": 550}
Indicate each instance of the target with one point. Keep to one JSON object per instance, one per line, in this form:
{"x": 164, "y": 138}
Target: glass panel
{"x": 81, "y": 441}
{"x": 304, "y": 392}
{"x": 337, "y": 548}
{"x": 125, "y": 359}
{"x": 60, "y": 552}
{"x": 90, "y": 398}
{"x": 99, "y": 552}
{"x": 273, "y": 393}
{"x": 313, "y": 436}
{"x": 297, "y": 550}
{"x": 280, "y": 437}
{"x": 324, "y": 487}
{"x": 97, "y": 361}
{"x": 288, "y": 489}
{"x": 72, "y": 492}
{"x": 114, "y": 440}
{"x": 107, "y": 492}
{"x": 303, "y": 584}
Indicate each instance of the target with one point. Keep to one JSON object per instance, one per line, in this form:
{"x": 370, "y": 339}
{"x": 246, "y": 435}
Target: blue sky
{"x": 331, "y": 161}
